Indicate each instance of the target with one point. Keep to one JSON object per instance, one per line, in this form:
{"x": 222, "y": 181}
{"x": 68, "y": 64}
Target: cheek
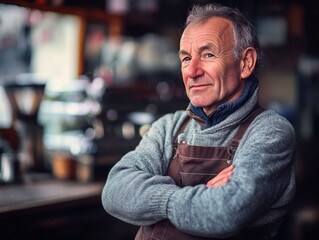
{"x": 184, "y": 77}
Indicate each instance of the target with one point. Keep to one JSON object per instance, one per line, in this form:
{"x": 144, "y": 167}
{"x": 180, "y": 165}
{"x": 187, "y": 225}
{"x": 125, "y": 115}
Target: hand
{"x": 221, "y": 178}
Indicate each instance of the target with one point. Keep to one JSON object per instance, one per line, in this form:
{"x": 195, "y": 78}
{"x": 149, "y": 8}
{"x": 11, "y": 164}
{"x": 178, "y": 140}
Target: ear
{"x": 248, "y": 62}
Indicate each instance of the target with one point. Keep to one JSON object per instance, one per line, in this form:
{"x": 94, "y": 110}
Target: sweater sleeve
{"x": 136, "y": 189}
{"x": 259, "y": 190}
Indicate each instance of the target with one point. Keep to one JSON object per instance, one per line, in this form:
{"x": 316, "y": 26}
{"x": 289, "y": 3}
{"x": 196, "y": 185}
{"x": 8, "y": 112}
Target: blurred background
{"x": 81, "y": 82}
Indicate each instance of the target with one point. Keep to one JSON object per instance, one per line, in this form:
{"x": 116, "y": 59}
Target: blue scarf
{"x": 225, "y": 109}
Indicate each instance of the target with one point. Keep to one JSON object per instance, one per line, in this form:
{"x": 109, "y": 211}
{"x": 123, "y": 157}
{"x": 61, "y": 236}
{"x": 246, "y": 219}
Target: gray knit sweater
{"x": 259, "y": 192}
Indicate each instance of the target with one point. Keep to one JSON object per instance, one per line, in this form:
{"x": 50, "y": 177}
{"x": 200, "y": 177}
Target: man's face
{"x": 210, "y": 73}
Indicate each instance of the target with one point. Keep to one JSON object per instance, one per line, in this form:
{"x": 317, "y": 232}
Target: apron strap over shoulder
{"x": 242, "y": 129}
{"x": 181, "y": 129}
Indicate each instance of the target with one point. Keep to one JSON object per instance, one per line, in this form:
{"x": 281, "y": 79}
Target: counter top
{"x": 16, "y": 198}
{"x": 47, "y": 208}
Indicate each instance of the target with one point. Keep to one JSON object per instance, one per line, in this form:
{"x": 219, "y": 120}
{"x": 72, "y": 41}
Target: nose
{"x": 194, "y": 69}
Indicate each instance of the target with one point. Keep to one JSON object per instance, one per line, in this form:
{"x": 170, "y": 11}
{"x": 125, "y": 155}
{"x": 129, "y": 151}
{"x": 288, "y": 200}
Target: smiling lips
{"x": 198, "y": 86}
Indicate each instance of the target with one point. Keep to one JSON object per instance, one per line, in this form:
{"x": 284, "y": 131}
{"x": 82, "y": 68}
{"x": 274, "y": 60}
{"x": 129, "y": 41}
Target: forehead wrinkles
{"x": 217, "y": 31}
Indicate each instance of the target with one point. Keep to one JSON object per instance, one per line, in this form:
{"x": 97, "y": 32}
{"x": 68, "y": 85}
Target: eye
{"x": 185, "y": 59}
{"x": 208, "y": 55}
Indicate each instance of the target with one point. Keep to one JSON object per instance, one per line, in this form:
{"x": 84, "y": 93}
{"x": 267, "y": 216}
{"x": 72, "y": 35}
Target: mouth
{"x": 199, "y": 86}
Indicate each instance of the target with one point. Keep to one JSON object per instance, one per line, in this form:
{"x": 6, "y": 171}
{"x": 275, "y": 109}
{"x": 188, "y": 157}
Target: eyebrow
{"x": 201, "y": 49}
{"x": 182, "y": 52}
{"x": 206, "y": 47}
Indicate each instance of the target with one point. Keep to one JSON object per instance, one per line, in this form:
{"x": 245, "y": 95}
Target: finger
{"x": 218, "y": 183}
{"x": 226, "y": 173}
{"x": 221, "y": 178}
{"x": 230, "y": 168}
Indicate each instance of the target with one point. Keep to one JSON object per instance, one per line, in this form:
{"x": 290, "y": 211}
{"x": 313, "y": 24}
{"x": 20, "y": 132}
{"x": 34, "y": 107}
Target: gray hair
{"x": 244, "y": 32}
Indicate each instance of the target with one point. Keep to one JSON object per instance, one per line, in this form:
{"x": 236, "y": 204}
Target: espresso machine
{"x": 25, "y": 93}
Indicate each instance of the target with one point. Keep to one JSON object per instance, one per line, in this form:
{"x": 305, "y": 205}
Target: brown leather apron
{"x": 190, "y": 166}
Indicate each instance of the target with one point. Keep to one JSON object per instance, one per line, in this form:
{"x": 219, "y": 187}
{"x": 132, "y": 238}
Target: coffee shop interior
{"x": 82, "y": 81}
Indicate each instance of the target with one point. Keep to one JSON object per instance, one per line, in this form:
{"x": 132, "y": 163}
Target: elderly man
{"x": 224, "y": 167}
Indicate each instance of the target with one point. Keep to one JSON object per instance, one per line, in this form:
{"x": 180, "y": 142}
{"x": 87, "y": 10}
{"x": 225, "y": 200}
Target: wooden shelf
{"x": 90, "y": 13}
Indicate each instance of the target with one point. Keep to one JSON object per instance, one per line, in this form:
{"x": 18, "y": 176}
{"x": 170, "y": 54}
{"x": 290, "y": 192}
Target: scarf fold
{"x": 225, "y": 109}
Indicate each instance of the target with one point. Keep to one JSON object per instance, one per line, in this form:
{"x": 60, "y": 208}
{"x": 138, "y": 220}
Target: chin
{"x": 200, "y": 102}
{"x": 195, "y": 104}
